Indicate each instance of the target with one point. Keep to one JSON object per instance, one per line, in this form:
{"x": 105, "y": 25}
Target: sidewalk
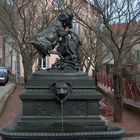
{"x": 5, "y": 91}
{"x": 13, "y": 106}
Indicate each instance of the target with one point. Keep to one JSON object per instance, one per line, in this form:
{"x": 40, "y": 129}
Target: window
{"x": 10, "y": 2}
{"x": 137, "y": 55}
{"x": 57, "y": 4}
{"x": 74, "y": 26}
{"x": 42, "y": 63}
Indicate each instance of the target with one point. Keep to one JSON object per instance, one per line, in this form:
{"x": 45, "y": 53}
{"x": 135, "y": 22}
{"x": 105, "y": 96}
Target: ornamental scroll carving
{"x": 53, "y": 109}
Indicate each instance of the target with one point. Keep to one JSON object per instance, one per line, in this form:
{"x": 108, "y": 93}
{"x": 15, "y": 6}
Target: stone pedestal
{"x": 45, "y": 117}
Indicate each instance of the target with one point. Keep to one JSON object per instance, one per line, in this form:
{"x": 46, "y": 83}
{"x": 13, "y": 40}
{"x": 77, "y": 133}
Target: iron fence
{"x": 131, "y": 89}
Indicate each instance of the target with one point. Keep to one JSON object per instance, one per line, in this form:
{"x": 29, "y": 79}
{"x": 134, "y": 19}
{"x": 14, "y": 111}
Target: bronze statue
{"x": 69, "y": 46}
{"x": 58, "y": 33}
{"x": 46, "y": 40}
{"x": 69, "y": 51}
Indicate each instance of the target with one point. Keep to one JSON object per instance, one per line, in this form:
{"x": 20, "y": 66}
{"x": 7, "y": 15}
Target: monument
{"x": 60, "y": 103}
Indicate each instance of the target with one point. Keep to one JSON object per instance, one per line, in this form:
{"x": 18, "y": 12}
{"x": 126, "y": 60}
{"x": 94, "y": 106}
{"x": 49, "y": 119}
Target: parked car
{"x": 4, "y": 69}
{"x": 4, "y": 76}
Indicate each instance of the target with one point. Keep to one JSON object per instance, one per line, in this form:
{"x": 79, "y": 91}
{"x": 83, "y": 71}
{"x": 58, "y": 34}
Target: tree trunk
{"x": 118, "y": 102}
{"x": 27, "y": 70}
{"x": 27, "y": 65}
{"x": 96, "y": 76}
{"x": 88, "y": 67}
{"x": 87, "y": 71}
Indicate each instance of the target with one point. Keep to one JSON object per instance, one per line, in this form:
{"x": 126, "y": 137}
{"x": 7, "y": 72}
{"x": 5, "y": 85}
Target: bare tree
{"x": 118, "y": 30}
{"x": 91, "y": 54}
{"x": 21, "y": 20}
{"x": 88, "y": 50}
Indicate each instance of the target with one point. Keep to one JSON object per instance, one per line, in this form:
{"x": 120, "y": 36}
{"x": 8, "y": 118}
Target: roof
{"x": 122, "y": 27}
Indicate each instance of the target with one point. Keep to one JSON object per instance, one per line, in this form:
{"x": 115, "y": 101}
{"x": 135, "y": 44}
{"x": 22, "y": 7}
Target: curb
{"x": 132, "y": 134}
{"x": 5, "y": 95}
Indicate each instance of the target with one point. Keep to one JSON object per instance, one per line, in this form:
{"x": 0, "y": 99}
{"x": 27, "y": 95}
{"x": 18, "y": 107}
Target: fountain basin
{"x": 113, "y": 133}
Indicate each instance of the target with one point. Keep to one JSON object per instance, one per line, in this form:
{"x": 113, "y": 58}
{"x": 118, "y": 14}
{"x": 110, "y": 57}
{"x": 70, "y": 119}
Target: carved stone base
{"x": 54, "y": 124}
{"x": 45, "y": 117}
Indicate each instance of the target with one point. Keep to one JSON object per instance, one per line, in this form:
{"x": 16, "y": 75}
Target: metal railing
{"x": 131, "y": 89}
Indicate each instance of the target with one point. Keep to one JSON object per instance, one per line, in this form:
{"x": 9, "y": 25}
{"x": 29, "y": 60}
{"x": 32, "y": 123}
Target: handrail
{"x": 131, "y": 89}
